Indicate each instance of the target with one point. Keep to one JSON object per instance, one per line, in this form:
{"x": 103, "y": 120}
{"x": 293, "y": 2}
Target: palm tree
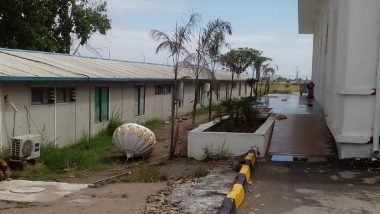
{"x": 268, "y": 71}
{"x": 214, "y": 49}
{"x": 258, "y": 63}
{"x": 175, "y": 44}
{"x": 199, "y": 61}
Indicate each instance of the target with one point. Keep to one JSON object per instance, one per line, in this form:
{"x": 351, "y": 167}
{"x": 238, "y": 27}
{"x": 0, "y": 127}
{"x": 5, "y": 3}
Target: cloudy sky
{"x": 267, "y": 25}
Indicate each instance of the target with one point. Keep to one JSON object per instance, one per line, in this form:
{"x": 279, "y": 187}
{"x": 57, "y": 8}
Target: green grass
{"x": 204, "y": 109}
{"x": 140, "y": 174}
{"x": 86, "y": 154}
{"x": 82, "y": 155}
{"x": 148, "y": 174}
{"x": 283, "y": 88}
{"x": 39, "y": 172}
{"x": 153, "y": 124}
{"x": 4, "y": 153}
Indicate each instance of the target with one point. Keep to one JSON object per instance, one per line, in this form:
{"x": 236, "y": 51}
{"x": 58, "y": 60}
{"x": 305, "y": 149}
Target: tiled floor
{"x": 304, "y": 132}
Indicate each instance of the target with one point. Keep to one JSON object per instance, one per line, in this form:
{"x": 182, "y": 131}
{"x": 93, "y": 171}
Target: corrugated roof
{"x": 31, "y": 65}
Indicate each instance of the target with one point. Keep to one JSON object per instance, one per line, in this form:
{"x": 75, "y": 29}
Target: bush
{"x": 213, "y": 154}
{"x": 240, "y": 111}
{"x": 149, "y": 174}
{"x": 115, "y": 121}
{"x": 5, "y": 153}
{"x": 82, "y": 155}
{"x": 144, "y": 174}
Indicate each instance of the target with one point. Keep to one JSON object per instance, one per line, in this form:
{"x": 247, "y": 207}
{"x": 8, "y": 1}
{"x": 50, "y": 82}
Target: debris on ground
{"x": 197, "y": 195}
{"x": 278, "y": 116}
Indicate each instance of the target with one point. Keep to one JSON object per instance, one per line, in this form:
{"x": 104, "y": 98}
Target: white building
{"x": 63, "y": 97}
{"x": 346, "y": 69}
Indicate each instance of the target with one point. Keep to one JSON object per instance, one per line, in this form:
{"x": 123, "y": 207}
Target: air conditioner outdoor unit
{"x": 25, "y": 147}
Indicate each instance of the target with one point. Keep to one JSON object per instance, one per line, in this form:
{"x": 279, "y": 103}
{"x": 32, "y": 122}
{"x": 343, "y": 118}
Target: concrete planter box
{"x": 236, "y": 143}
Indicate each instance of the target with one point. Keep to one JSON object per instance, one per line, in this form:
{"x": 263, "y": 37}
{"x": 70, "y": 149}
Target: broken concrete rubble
{"x": 202, "y": 195}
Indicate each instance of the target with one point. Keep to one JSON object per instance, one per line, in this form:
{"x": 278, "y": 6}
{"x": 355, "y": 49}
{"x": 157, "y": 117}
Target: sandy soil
{"x": 163, "y": 137}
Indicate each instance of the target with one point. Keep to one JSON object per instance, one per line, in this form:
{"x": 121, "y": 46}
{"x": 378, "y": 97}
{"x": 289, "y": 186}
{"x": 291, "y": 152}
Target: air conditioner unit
{"x": 25, "y": 147}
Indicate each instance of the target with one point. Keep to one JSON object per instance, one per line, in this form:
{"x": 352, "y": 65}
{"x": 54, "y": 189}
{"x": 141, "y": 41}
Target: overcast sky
{"x": 267, "y": 25}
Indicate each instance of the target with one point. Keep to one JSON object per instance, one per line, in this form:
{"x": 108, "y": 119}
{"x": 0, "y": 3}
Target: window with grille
{"x": 50, "y": 95}
{"x": 162, "y": 89}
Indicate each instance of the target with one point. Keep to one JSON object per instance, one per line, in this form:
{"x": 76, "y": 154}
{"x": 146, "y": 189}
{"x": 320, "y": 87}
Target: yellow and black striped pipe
{"x": 234, "y": 199}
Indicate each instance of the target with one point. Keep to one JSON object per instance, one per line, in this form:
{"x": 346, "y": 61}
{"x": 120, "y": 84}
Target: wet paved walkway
{"x": 313, "y": 188}
{"x": 304, "y": 133}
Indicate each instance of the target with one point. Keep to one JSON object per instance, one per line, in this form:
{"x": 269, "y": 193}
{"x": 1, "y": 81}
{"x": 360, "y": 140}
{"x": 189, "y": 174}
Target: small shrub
{"x": 5, "y": 153}
{"x": 38, "y": 172}
{"x": 75, "y": 159}
{"x": 77, "y": 156}
{"x": 82, "y": 155}
{"x": 148, "y": 174}
{"x": 287, "y": 85}
{"x": 212, "y": 154}
{"x": 114, "y": 122}
{"x": 240, "y": 110}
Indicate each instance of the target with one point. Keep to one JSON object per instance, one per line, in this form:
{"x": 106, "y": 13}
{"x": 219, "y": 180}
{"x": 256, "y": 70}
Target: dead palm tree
{"x": 175, "y": 44}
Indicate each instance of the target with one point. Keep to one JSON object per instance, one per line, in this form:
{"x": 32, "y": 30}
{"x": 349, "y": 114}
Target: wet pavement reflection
{"x": 304, "y": 132}
{"x": 292, "y": 104}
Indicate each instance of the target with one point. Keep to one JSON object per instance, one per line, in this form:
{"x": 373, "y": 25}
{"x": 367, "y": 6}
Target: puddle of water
{"x": 372, "y": 180}
{"x": 348, "y": 174}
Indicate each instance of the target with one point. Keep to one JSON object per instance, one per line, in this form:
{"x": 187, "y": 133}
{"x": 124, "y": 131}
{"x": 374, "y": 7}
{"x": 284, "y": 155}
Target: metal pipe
{"x": 376, "y": 120}
{"x": 55, "y": 114}
{"x": 89, "y": 110}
